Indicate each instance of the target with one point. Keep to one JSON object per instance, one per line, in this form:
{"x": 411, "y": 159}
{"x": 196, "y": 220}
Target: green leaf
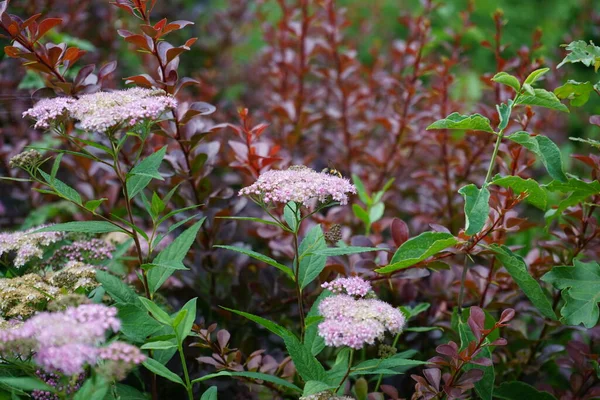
{"x": 94, "y": 388}
{"x": 516, "y": 267}
{"x": 580, "y": 51}
{"x": 312, "y": 340}
{"x": 417, "y": 249}
{"x": 363, "y": 195}
{"x": 173, "y": 254}
{"x": 529, "y": 89}
{"x": 545, "y": 149}
{"x": 251, "y": 375}
{"x": 578, "y": 93}
{"x": 579, "y": 190}
{"x": 536, "y": 195}
{"x": 346, "y": 250}
{"x": 159, "y": 369}
{"x": 210, "y": 394}
{"x": 535, "y": 75}
{"x": 477, "y": 207}
{"x": 140, "y": 176}
{"x": 339, "y": 369}
{"x": 485, "y": 386}
{"x": 82, "y": 227}
{"x": 185, "y": 327}
{"x": 158, "y": 313}
{"x": 376, "y": 212}
{"x": 260, "y": 257}
{"x": 311, "y": 264}
{"x": 27, "y": 384}
{"x": 542, "y": 98}
{"x": 395, "y": 361}
{"x": 117, "y": 288}
{"x": 126, "y": 392}
{"x": 508, "y": 80}
{"x": 92, "y": 205}
{"x": 136, "y": 323}
{"x": 252, "y": 219}
{"x": 517, "y": 390}
{"x": 314, "y": 387}
{"x": 291, "y": 215}
{"x": 55, "y": 166}
{"x": 62, "y": 189}
{"x": 270, "y": 325}
{"x": 361, "y": 213}
{"x": 411, "y": 312}
{"x": 504, "y": 111}
{"x": 158, "y": 345}
{"x": 580, "y": 285}
{"x": 475, "y": 122}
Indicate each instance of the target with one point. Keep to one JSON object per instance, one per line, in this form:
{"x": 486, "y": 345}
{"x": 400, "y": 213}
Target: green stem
{"x": 396, "y": 339}
{"x": 494, "y": 155}
{"x": 347, "y": 372}
{"x": 296, "y": 279}
{"x": 188, "y": 383}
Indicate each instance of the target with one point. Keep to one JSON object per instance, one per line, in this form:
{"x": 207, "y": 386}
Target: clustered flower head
{"x": 55, "y": 381}
{"x": 26, "y": 244}
{"x": 22, "y": 296}
{"x": 65, "y": 342}
{"x": 75, "y": 275}
{"x": 89, "y": 251}
{"x": 351, "y": 319}
{"x": 326, "y": 395}
{"x": 301, "y": 185}
{"x": 26, "y": 160}
{"x": 101, "y": 111}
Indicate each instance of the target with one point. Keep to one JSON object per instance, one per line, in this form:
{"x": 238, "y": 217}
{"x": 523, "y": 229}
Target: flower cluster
{"x": 326, "y": 395}
{"x": 119, "y": 358}
{"x": 353, "y": 286}
{"x": 354, "y": 322}
{"x": 91, "y": 251}
{"x": 101, "y": 111}
{"x": 22, "y": 296}
{"x": 26, "y": 160}
{"x": 47, "y": 110}
{"x": 27, "y": 245}
{"x": 75, "y": 275}
{"x": 65, "y": 342}
{"x": 301, "y": 185}
{"x": 55, "y": 381}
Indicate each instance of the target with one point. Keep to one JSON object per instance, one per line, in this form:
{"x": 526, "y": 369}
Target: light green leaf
{"x": 210, "y": 394}
{"x": 545, "y": 149}
{"x": 477, "y": 207}
{"x": 504, "y": 111}
{"x": 516, "y": 267}
{"x": 260, "y": 257}
{"x": 158, "y": 345}
{"x": 311, "y": 264}
{"x": 376, "y": 212}
{"x": 159, "y": 369}
{"x": 291, "y": 215}
{"x": 92, "y": 205}
{"x": 251, "y": 375}
{"x": 542, "y": 98}
{"x": 82, "y": 227}
{"x": 418, "y": 249}
{"x": 141, "y": 175}
{"x": 580, "y": 285}
{"x": 27, "y": 384}
{"x": 270, "y": 325}
{"x": 361, "y": 190}
{"x": 535, "y": 75}
{"x": 508, "y": 80}
{"x": 536, "y": 195}
{"x": 517, "y": 390}
{"x": 312, "y": 340}
{"x": 475, "y": 122}
{"x": 185, "y": 326}
{"x": 173, "y": 254}
{"x": 314, "y": 387}
{"x": 346, "y": 250}
{"x": 579, "y": 190}
{"x": 62, "y": 189}
{"x": 395, "y": 361}
{"x": 158, "y": 313}
{"x": 578, "y": 93}
{"x": 580, "y": 51}
{"x": 360, "y": 213}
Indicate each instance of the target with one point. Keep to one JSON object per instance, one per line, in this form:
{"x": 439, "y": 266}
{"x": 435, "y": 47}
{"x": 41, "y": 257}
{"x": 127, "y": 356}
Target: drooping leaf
{"x": 475, "y": 122}
{"x": 82, "y": 227}
{"x": 508, "y": 80}
{"x": 578, "y": 93}
{"x": 62, "y": 189}
{"x": 545, "y": 149}
{"x": 260, "y": 257}
{"x": 174, "y": 254}
{"x": 580, "y": 285}
{"x": 418, "y": 249}
{"x": 516, "y": 267}
{"x": 161, "y": 370}
{"x": 517, "y": 390}
{"x": 536, "y": 195}
{"x": 477, "y": 207}
{"x": 311, "y": 264}
{"x": 542, "y": 98}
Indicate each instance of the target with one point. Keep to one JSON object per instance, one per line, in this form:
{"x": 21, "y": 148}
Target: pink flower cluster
{"x": 97, "y": 112}
{"x": 354, "y": 286}
{"x": 92, "y": 251}
{"x": 301, "y": 185}
{"x": 26, "y": 244}
{"x": 67, "y": 341}
{"x": 354, "y": 322}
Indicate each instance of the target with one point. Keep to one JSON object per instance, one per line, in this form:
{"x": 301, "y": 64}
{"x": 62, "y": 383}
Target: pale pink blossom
{"x": 353, "y": 286}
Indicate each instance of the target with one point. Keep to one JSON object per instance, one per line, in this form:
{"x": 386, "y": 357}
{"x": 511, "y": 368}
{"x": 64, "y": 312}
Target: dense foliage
{"x": 308, "y": 200}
